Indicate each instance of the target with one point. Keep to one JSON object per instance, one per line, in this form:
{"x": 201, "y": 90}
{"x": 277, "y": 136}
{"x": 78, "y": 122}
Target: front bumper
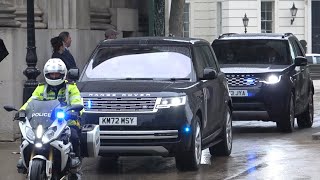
{"x": 264, "y": 102}
{"x": 159, "y": 133}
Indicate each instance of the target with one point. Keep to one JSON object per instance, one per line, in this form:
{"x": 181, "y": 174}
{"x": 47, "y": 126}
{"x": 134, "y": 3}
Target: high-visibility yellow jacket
{"x": 72, "y": 97}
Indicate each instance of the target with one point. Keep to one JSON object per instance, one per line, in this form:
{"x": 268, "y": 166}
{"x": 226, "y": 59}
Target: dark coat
{"x": 66, "y": 57}
{"x": 3, "y": 50}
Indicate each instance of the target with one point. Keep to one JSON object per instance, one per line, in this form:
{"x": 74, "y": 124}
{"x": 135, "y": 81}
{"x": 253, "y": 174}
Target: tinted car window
{"x": 209, "y": 57}
{"x": 200, "y": 60}
{"x": 297, "y": 48}
{"x": 256, "y": 51}
{"x": 292, "y": 52}
{"x": 139, "y": 62}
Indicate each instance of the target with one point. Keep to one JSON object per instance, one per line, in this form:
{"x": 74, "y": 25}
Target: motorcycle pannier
{"x": 90, "y": 140}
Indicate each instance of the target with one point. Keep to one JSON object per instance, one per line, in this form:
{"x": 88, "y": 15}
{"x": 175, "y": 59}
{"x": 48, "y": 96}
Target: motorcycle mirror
{"x": 75, "y": 107}
{"x": 10, "y": 108}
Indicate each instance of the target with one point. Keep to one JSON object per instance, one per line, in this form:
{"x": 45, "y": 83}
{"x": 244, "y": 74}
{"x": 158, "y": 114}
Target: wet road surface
{"x": 259, "y": 152}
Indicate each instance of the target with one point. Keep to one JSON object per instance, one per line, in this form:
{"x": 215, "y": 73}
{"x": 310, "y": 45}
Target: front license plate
{"x": 118, "y": 121}
{"x": 238, "y": 93}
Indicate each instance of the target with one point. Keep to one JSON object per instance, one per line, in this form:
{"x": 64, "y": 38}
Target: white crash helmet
{"x": 55, "y": 65}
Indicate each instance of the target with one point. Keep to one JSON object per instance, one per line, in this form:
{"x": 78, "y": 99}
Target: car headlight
{"x": 30, "y": 134}
{"x": 49, "y": 135}
{"x": 272, "y": 79}
{"x": 172, "y": 101}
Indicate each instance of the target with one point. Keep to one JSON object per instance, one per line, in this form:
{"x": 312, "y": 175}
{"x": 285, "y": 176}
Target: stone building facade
{"x": 86, "y": 20}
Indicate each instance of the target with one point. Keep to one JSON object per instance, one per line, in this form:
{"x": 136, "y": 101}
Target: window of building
{"x": 267, "y": 16}
{"x": 186, "y": 21}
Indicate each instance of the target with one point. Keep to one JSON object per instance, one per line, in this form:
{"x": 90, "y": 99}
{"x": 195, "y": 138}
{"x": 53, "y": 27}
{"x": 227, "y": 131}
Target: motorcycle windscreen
{"x": 39, "y": 112}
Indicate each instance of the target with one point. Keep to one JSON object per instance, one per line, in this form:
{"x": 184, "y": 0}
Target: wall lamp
{"x": 293, "y": 11}
{"x": 245, "y": 21}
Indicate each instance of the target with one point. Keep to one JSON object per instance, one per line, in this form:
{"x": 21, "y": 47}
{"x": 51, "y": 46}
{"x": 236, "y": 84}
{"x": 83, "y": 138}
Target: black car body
{"x": 268, "y": 77}
{"x": 157, "y": 96}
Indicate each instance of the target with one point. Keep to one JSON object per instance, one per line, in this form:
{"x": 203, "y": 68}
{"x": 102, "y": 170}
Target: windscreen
{"x": 39, "y": 112}
{"x": 148, "y": 62}
{"x": 255, "y": 51}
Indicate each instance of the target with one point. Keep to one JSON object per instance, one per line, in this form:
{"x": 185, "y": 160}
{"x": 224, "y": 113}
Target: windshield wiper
{"x": 130, "y": 78}
{"x": 176, "y": 79}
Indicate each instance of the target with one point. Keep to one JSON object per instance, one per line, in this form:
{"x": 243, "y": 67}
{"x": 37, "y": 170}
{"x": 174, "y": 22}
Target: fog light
{"x": 89, "y": 104}
{"x": 187, "y": 129}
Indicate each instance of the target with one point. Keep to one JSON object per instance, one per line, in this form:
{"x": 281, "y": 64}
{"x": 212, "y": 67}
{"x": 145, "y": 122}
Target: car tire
{"x": 286, "y": 123}
{"x": 190, "y": 160}
{"x": 224, "y": 147}
{"x": 305, "y": 120}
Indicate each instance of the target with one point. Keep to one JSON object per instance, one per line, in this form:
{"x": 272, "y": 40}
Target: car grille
{"x": 123, "y": 104}
{"x": 243, "y": 80}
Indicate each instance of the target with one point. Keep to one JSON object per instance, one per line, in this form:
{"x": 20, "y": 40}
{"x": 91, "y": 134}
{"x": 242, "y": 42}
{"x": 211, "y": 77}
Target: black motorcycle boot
{"x": 20, "y": 167}
{"x": 76, "y": 172}
{"x": 75, "y": 161}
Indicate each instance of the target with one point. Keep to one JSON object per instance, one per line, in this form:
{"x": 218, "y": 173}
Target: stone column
{"x": 68, "y": 14}
{"x": 7, "y": 14}
{"x": 21, "y": 14}
{"x": 100, "y": 16}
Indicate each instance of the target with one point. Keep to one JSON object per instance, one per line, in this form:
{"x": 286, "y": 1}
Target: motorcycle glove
{"x": 20, "y": 115}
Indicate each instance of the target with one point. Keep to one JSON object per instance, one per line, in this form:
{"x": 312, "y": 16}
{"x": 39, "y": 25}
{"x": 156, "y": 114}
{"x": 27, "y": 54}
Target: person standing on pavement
{"x": 66, "y": 38}
{"x": 110, "y": 34}
{"x": 59, "y": 52}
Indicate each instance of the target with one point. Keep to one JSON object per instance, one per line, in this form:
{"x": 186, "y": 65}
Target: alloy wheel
{"x": 197, "y": 143}
{"x": 229, "y": 131}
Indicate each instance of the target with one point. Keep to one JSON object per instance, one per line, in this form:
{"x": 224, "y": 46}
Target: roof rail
{"x": 226, "y": 34}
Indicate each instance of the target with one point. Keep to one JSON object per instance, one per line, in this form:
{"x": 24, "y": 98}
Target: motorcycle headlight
{"x": 30, "y": 134}
{"x": 49, "y": 135}
{"x": 39, "y": 131}
{"x": 172, "y": 101}
{"x": 272, "y": 79}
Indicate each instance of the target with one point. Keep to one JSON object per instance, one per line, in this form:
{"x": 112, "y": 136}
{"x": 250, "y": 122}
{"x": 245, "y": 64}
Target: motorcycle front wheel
{"x": 38, "y": 170}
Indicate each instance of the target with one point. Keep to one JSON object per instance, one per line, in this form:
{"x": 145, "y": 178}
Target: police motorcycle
{"x": 45, "y": 149}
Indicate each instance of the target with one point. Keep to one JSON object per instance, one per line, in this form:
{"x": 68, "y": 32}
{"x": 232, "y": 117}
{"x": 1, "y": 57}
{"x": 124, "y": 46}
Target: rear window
{"x": 256, "y": 51}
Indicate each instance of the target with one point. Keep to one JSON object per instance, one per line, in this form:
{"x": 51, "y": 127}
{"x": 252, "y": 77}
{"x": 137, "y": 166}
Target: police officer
{"x": 57, "y": 87}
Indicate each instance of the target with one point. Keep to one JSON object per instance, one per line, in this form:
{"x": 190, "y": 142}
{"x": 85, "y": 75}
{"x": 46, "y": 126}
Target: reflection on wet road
{"x": 260, "y": 151}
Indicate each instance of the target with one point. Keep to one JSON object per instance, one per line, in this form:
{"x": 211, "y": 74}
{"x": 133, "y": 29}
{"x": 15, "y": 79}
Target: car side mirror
{"x": 300, "y": 61}
{"x": 209, "y": 73}
{"x": 73, "y": 74}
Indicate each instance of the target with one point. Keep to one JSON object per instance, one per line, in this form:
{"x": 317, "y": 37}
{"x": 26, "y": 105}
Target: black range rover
{"x": 268, "y": 77}
{"x": 158, "y": 96}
